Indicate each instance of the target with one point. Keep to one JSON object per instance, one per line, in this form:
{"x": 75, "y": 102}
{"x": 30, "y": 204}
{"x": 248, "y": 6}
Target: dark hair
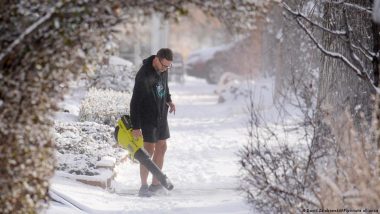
{"x": 165, "y": 53}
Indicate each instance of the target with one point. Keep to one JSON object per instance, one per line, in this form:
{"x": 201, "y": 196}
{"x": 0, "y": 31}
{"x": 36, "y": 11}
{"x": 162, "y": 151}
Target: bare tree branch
{"x": 303, "y": 198}
{"x": 329, "y": 53}
{"x": 367, "y": 53}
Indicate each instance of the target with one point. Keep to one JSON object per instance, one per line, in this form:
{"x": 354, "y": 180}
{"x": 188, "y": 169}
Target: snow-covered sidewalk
{"x": 201, "y": 161}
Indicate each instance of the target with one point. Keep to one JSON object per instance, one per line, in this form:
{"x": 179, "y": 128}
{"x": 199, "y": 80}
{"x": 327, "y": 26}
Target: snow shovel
{"x": 124, "y": 137}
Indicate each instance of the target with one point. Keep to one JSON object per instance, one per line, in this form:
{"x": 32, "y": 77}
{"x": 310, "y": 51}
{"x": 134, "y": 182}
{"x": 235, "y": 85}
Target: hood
{"x": 148, "y": 60}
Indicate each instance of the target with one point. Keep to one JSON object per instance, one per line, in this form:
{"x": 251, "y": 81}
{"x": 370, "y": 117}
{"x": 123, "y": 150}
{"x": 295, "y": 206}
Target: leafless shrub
{"x": 291, "y": 165}
{"x": 278, "y": 163}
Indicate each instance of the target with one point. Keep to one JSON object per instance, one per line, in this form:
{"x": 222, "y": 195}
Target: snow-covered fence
{"x": 104, "y": 106}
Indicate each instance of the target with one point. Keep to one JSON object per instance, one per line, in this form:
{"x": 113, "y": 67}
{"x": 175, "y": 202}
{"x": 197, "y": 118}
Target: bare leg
{"x": 149, "y": 147}
{"x": 158, "y": 157}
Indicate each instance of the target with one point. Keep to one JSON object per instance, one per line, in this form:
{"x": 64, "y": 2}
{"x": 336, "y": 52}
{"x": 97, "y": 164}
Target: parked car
{"x": 177, "y": 72}
{"x": 241, "y": 57}
{"x": 201, "y": 63}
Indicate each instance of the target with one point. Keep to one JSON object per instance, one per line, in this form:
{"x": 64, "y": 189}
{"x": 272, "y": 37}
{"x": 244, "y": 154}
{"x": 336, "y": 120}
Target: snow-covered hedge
{"x": 118, "y": 75}
{"x": 104, "y": 106}
{"x": 81, "y": 146}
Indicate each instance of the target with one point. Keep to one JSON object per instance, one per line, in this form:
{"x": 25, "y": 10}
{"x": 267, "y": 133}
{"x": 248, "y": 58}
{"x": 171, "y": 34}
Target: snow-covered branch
{"x": 304, "y": 17}
{"x": 350, "y": 5}
{"x": 327, "y": 52}
{"x": 354, "y": 57}
{"x": 356, "y": 64}
{"x": 28, "y": 31}
{"x": 367, "y": 53}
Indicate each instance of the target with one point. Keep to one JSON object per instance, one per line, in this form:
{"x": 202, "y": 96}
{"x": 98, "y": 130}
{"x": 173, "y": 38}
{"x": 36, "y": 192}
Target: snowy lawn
{"x": 201, "y": 162}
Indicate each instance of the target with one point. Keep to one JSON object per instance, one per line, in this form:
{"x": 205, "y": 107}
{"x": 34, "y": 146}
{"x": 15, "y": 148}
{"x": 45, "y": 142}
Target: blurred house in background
{"x": 203, "y": 46}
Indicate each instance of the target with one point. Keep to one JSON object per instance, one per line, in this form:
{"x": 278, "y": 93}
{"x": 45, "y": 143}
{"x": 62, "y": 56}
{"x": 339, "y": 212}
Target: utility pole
{"x": 159, "y": 32}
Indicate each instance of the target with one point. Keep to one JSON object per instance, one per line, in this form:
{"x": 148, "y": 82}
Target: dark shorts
{"x": 152, "y": 134}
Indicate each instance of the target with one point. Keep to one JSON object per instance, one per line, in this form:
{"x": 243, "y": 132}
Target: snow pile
{"x": 104, "y": 106}
{"x": 106, "y": 162}
{"x": 231, "y": 88}
{"x": 118, "y": 75}
{"x": 82, "y": 147}
{"x": 235, "y": 89}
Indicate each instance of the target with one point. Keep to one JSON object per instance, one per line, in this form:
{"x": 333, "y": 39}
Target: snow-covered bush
{"x": 118, "y": 75}
{"x": 104, "y": 106}
{"x": 81, "y": 145}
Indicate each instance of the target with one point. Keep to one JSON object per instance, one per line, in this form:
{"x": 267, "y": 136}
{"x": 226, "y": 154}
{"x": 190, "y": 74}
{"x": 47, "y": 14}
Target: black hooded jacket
{"x": 146, "y": 107}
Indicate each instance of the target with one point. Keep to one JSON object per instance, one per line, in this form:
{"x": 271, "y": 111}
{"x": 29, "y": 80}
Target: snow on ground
{"x": 201, "y": 161}
{"x": 70, "y": 107}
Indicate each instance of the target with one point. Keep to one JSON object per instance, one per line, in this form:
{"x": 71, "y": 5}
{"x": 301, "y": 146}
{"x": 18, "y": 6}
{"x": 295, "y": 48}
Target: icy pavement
{"x": 201, "y": 162}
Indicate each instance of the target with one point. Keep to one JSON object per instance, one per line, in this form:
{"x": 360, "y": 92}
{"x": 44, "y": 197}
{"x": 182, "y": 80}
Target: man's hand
{"x": 137, "y": 133}
{"x": 171, "y": 107}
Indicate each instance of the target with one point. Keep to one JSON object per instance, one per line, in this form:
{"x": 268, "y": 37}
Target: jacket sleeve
{"x": 168, "y": 95}
{"x": 136, "y": 101}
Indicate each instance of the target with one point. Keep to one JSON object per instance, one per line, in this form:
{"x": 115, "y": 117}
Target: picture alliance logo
{"x": 345, "y": 210}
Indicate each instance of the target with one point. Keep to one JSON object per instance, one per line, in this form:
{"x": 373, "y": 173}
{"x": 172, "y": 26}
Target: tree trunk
{"x": 340, "y": 89}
